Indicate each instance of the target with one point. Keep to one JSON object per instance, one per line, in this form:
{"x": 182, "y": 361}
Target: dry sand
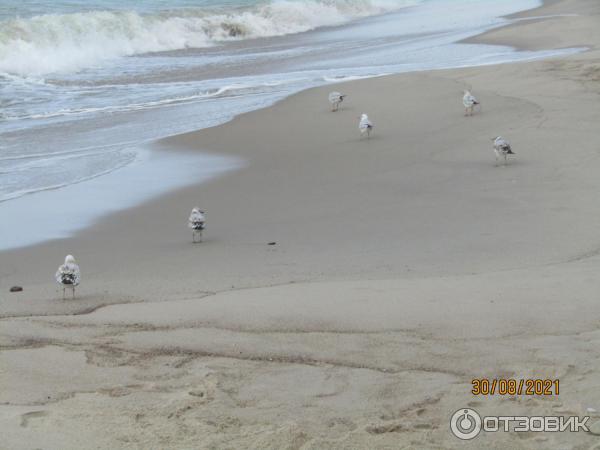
{"x": 405, "y": 266}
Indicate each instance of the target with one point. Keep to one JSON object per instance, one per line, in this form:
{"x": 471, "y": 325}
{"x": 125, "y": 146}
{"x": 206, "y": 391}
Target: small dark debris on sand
{"x": 385, "y": 428}
{"x": 16, "y": 289}
{"x": 272, "y": 243}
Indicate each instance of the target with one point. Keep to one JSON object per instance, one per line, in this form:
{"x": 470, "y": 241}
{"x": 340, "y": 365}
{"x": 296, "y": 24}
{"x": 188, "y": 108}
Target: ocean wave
{"x": 230, "y": 90}
{"x": 54, "y": 43}
{"x": 50, "y": 187}
{"x": 344, "y": 78}
{"x": 47, "y": 164}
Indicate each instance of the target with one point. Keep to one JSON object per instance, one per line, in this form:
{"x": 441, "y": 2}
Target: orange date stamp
{"x": 512, "y": 386}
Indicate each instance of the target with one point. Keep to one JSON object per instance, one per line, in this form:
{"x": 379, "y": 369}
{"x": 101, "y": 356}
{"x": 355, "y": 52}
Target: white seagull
{"x": 469, "y": 101}
{"x": 365, "y": 125}
{"x": 68, "y": 275}
{"x": 335, "y": 98}
{"x": 197, "y": 222}
{"x": 502, "y": 148}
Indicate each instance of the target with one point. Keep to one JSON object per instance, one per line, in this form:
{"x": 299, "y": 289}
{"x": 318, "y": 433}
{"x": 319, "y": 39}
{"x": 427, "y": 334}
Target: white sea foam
{"x": 232, "y": 90}
{"x": 70, "y": 42}
{"x": 343, "y": 78}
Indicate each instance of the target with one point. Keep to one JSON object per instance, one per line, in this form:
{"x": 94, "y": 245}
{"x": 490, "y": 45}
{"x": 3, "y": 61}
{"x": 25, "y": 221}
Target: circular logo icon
{"x": 465, "y": 424}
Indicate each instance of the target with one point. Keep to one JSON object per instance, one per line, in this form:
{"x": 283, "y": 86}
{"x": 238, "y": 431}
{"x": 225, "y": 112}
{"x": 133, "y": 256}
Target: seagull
{"x": 197, "y": 222}
{"x": 469, "y": 101}
{"x": 502, "y": 148}
{"x": 335, "y": 98}
{"x": 365, "y": 125}
{"x": 68, "y": 275}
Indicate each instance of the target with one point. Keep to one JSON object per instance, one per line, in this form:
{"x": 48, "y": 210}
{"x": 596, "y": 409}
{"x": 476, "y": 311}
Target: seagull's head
{"x": 69, "y": 259}
{"x": 363, "y": 116}
{"x": 494, "y": 138}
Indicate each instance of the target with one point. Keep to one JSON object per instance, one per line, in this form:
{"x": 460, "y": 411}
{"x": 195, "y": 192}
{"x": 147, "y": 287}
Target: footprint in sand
{"x": 25, "y": 418}
{"x": 385, "y": 428}
{"x": 424, "y": 426}
{"x": 341, "y": 424}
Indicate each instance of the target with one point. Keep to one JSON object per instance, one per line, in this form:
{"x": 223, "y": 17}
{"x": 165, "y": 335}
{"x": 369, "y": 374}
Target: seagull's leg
{"x": 64, "y": 291}
{"x": 73, "y": 291}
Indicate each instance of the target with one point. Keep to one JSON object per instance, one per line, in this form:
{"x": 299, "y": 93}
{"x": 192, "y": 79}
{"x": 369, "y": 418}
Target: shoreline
{"x": 138, "y": 178}
{"x": 551, "y": 14}
{"x": 57, "y": 196}
{"x": 404, "y": 266}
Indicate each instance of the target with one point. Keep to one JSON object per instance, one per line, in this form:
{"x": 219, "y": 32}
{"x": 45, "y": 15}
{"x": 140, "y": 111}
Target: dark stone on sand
{"x": 16, "y": 289}
{"x": 272, "y": 243}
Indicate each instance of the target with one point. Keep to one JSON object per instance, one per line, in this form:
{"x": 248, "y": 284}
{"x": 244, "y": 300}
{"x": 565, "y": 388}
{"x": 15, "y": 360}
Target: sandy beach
{"x": 404, "y": 266}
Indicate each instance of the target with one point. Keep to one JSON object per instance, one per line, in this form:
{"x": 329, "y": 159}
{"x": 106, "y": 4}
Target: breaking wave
{"x": 54, "y": 43}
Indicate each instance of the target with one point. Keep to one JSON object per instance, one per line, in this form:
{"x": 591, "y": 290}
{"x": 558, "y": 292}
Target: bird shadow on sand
{"x": 364, "y": 141}
{"x": 186, "y": 243}
{"x": 490, "y": 165}
{"x": 87, "y": 301}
